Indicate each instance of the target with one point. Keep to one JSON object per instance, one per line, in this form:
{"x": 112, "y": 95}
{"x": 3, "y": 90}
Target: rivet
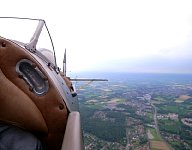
{"x": 31, "y": 89}
{"x": 33, "y": 65}
{"x": 20, "y": 76}
{"x": 61, "y": 106}
{"x": 3, "y": 44}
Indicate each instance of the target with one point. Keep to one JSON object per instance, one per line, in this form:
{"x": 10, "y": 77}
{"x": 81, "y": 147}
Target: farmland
{"x": 138, "y": 112}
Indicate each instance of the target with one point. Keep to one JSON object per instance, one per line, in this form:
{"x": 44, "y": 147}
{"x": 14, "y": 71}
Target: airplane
{"x": 35, "y": 95}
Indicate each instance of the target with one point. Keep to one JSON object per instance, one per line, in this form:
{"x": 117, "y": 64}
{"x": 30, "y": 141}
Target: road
{"x": 157, "y": 127}
{"x": 127, "y": 135}
{"x": 155, "y": 119}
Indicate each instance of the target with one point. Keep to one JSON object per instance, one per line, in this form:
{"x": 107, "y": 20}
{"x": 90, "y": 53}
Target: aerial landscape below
{"x": 137, "y": 111}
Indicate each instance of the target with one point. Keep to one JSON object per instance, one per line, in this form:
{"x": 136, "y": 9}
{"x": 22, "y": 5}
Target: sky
{"x": 115, "y": 35}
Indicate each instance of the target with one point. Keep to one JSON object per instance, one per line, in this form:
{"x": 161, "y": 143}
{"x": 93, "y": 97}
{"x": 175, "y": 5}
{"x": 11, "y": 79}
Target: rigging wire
{"x": 46, "y": 29}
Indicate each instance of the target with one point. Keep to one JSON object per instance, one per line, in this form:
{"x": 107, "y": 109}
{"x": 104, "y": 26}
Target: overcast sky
{"x": 115, "y": 35}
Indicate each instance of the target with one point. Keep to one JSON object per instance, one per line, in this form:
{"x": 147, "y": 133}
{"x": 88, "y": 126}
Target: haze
{"x": 119, "y": 36}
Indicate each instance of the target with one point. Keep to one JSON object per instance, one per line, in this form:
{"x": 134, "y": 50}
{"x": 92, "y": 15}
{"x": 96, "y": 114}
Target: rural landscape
{"x": 137, "y": 112}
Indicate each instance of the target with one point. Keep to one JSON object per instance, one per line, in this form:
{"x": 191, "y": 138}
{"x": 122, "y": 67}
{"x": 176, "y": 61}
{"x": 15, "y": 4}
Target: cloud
{"x": 153, "y": 64}
{"x": 116, "y": 35}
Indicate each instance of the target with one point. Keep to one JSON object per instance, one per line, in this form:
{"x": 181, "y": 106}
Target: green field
{"x": 159, "y": 98}
{"x": 156, "y": 137}
{"x": 169, "y": 126}
{"x": 95, "y": 106}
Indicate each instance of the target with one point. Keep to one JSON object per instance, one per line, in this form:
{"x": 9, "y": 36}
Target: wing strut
{"x": 64, "y": 63}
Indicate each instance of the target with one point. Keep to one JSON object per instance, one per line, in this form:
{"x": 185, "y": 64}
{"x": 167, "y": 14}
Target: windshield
{"x": 22, "y": 30}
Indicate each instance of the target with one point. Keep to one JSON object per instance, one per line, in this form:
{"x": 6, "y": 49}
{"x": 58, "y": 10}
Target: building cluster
{"x": 187, "y": 121}
{"x": 172, "y": 116}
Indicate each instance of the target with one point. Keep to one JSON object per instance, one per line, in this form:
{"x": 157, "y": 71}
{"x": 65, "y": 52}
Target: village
{"x": 151, "y": 120}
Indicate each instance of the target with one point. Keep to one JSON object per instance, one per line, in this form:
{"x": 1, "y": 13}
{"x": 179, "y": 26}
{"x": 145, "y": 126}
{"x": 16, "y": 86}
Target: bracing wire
{"x": 46, "y": 29}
